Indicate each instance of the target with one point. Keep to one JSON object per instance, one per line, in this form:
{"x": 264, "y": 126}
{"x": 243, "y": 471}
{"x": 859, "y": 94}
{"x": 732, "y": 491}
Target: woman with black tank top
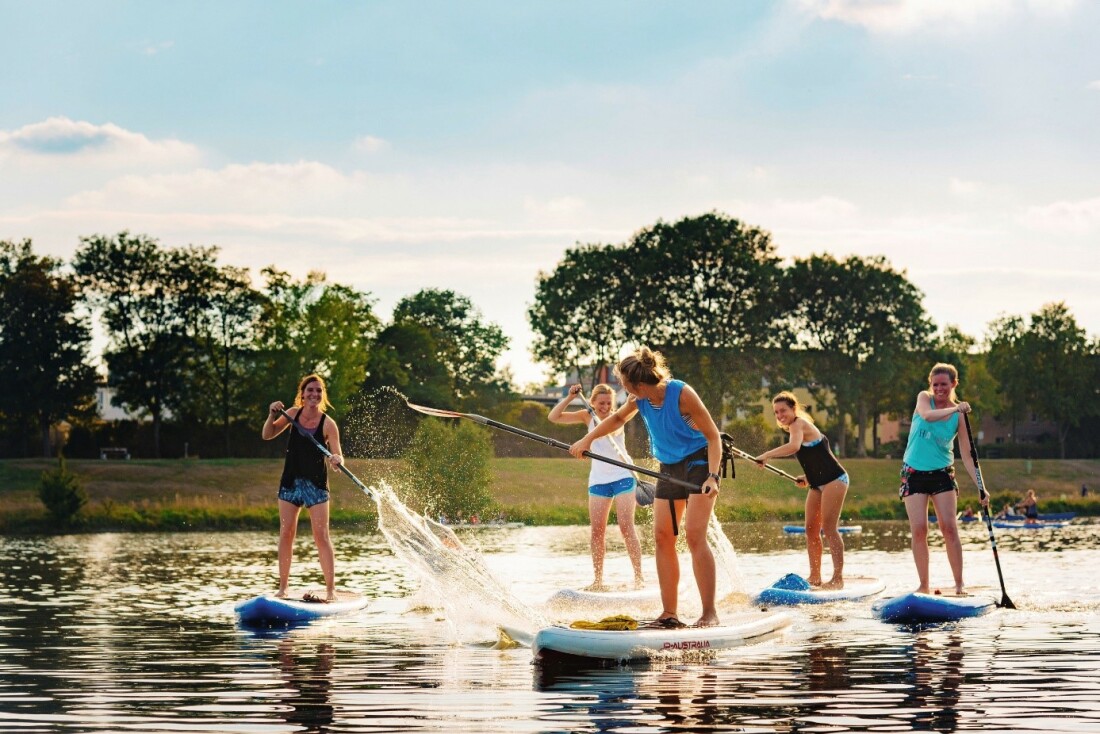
{"x": 826, "y": 478}
{"x": 305, "y": 477}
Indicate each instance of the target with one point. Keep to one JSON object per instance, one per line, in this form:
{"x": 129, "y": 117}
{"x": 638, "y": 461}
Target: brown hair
{"x": 302, "y": 390}
{"x": 604, "y": 389}
{"x": 790, "y": 399}
{"x": 644, "y": 367}
{"x": 942, "y": 368}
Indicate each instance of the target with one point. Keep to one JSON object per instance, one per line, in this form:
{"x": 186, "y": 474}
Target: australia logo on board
{"x": 687, "y": 645}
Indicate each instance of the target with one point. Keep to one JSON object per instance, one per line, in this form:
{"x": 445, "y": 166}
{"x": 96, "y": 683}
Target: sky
{"x": 403, "y": 145}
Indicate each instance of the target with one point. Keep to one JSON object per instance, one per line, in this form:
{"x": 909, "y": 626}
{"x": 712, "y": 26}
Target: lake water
{"x": 135, "y": 633}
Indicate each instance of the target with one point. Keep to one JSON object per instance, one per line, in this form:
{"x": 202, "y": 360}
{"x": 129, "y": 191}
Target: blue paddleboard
{"x": 267, "y": 610}
{"x": 1027, "y": 526}
{"x": 793, "y": 589}
{"x": 917, "y": 608}
{"x": 842, "y": 528}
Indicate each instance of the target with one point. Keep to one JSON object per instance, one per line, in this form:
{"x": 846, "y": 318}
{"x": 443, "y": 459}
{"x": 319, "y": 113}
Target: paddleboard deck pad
{"x": 917, "y": 608}
{"x": 793, "y": 589}
{"x": 268, "y": 610}
{"x": 561, "y": 644}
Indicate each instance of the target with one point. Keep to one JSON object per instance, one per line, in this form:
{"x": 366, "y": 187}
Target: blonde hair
{"x": 604, "y": 389}
{"x": 644, "y": 367}
{"x": 298, "y": 402}
{"x": 942, "y": 368}
{"x": 790, "y": 399}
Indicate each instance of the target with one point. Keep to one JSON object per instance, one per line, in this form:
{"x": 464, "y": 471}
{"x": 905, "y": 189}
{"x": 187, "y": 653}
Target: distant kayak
{"x": 916, "y": 608}
{"x": 802, "y": 529}
{"x": 793, "y": 589}
{"x": 1066, "y": 516}
{"x": 560, "y": 644}
{"x": 1028, "y": 526}
{"x": 268, "y": 610}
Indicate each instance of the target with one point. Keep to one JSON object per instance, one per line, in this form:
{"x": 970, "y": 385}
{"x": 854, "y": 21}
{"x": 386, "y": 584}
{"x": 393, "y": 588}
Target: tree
{"x": 861, "y": 321}
{"x": 452, "y": 463}
{"x": 149, "y": 299}
{"x": 43, "y": 343}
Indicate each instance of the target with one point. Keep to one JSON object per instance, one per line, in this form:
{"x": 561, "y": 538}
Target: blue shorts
{"x": 612, "y": 489}
{"x": 304, "y": 493}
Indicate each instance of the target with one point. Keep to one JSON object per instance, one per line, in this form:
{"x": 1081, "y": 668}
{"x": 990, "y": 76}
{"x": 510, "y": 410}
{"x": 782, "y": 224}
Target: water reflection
{"x": 307, "y": 670}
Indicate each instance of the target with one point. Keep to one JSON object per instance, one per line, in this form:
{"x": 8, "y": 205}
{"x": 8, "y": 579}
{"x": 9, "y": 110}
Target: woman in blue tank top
{"x": 685, "y": 440}
{"x": 928, "y": 470}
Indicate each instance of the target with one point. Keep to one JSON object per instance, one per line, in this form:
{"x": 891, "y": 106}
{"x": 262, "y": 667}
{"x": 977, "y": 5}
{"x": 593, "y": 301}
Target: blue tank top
{"x": 670, "y": 436}
{"x": 930, "y": 443}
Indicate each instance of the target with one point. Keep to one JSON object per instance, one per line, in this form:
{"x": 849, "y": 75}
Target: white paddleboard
{"x": 559, "y": 643}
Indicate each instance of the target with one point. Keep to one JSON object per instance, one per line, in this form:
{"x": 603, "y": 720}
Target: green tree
{"x": 43, "y": 343}
{"x": 149, "y": 299}
{"x": 452, "y": 467}
{"x": 861, "y": 322}
{"x": 62, "y": 492}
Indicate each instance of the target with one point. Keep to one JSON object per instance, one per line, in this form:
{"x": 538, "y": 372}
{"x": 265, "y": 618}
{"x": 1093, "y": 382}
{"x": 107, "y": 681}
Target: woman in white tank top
{"x": 607, "y": 484}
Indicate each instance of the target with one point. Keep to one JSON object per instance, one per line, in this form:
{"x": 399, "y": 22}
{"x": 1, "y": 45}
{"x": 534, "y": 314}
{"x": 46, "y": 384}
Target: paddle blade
{"x": 1006, "y": 603}
{"x": 435, "y": 411}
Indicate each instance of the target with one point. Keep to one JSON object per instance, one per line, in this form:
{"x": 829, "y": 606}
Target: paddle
{"x": 646, "y": 491}
{"x": 986, "y": 513}
{"x": 727, "y": 442}
{"x": 324, "y": 450}
{"x": 438, "y": 413}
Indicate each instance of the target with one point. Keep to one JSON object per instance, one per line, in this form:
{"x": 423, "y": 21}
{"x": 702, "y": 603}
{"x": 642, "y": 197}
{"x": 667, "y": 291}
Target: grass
{"x": 240, "y": 493}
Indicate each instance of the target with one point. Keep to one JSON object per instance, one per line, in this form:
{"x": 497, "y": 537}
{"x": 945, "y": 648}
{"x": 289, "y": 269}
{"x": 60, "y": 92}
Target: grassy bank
{"x": 240, "y": 493}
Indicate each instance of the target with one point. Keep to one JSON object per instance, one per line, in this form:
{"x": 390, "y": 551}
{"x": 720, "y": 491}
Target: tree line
{"x": 199, "y": 350}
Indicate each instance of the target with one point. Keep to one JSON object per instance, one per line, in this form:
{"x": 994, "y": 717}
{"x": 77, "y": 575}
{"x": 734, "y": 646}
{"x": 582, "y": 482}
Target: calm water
{"x": 130, "y": 633}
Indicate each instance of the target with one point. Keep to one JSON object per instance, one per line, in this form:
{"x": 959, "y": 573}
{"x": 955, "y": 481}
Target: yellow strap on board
{"x": 617, "y": 622}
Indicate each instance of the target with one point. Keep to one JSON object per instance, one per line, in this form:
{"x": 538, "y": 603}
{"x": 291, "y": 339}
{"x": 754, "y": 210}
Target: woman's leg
{"x": 668, "y": 564}
{"x": 916, "y": 507}
{"x": 832, "y": 502}
{"x": 813, "y": 535}
{"x": 624, "y": 514}
{"x": 947, "y": 504}
{"x": 696, "y": 521}
{"x": 318, "y": 520}
{"x": 598, "y": 510}
{"x": 288, "y": 528}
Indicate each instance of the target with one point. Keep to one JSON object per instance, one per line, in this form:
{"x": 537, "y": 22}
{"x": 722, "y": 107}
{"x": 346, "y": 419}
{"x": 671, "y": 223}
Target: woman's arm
{"x": 332, "y": 438}
{"x": 612, "y": 423}
{"x": 557, "y": 414}
{"x": 925, "y": 410}
{"x": 790, "y": 448}
{"x": 692, "y": 406}
{"x": 276, "y": 423}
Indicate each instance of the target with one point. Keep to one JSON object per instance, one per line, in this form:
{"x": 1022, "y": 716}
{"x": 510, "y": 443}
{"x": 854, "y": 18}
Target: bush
{"x": 451, "y": 467}
{"x": 62, "y": 492}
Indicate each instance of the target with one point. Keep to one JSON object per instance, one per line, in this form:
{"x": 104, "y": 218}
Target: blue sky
{"x": 399, "y": 145}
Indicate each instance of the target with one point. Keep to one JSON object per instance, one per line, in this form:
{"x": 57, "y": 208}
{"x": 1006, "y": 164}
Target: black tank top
{"x": 819, "y": 463}
{"x": 303, "y": 459}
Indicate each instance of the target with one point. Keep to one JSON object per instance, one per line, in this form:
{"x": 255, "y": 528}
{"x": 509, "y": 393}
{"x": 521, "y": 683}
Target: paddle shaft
{"x": 591, "y": 412}
{"x": 324, "y": 450}
{"x": 986, "y": 512}
{"x": 769, "y": 467}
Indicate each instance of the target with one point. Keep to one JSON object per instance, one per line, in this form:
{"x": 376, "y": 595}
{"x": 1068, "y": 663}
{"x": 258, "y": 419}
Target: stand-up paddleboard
{"x": 563, "y": 644}
{"x": 1028, "y": 526}
{"x": 614, "y": 600}
{"x": 917, "y": 608}
{"x": 793, "y": 589}
{"x": 842, "y": 528}
{"x": 268, "y": 610}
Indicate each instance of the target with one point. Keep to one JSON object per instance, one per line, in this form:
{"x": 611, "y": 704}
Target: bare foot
{"x": 833, "y": 583}
{"x": 922, "y": 590}
{"x": 813, "y": 581}
{"x": 960, "y": 590}
{"x": 595, "y": 586}
{"x": 280, "y": 594}
{"x": 707, "y": 620}
{"x": 639, "y": 582}
{"x": 331, "y": 596}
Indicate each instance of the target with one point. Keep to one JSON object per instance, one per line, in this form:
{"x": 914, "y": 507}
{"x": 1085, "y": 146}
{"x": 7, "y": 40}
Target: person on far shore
{"x": 305, "y": 477}
{"x": 928, "y": 471}
{"x": 1030, "y": 506}
{"x": 607, "y": 484}
{"x": 826, "y": 479}
{"x": 686, "y": 441}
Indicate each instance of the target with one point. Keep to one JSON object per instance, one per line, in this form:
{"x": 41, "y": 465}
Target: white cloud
{"x": 1065, "y": 217}
{"x": 152, "y": 49}
{"x": 961, "y": 187}
{"x": 1094, "y": 85}
{"x": 62, "y": 138}
{"x": 563, "y": 206}
{"x": 370, "y": 144}
{"x": 903, "y": 16}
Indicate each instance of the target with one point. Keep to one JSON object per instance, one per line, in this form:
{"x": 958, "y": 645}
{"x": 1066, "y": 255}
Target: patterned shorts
{"x": 915, "y": 481}
{"x": 304, "y": 493}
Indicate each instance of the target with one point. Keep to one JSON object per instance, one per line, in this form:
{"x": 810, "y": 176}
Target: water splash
{"x": 725, "y": 559}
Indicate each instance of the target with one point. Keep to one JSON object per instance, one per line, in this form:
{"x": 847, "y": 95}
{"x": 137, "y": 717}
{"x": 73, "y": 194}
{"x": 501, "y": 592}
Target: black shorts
{"x": 695, "y": 469}
{"x": 936, "y": 481}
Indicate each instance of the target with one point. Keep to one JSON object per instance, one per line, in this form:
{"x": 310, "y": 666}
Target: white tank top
{"x": 601, "y": 472}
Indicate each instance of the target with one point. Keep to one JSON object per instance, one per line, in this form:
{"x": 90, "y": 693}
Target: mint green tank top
{"x": 930, "y": 443}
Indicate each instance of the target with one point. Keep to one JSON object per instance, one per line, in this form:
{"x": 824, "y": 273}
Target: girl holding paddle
{"x": 305, "y": 477}
{"x": 686, "y": 441}
{"x": 928, "y": 470}
{"x": 607, "y": 483}
{"x": 826, "y": 478}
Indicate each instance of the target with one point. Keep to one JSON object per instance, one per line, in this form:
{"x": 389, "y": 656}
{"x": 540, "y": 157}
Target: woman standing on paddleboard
{"x": 607, "y": 483}
{"x": 685, "y": 440}
{"x": 928, "y": 470}
{"x": 826, "y": 478}
{"x": 305, "y": 477}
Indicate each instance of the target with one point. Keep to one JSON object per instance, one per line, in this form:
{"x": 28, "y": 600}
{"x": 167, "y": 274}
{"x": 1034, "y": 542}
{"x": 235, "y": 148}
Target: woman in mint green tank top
{"x": 928, "y": 470}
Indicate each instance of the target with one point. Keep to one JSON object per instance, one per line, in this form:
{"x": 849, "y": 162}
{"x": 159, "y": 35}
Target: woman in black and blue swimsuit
{"x": 826, "y": 478}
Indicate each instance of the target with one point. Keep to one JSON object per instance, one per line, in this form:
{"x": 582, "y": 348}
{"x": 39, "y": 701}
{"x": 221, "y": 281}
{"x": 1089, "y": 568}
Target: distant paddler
{"x": 305, "y": 476}
{"x": 607, "y": 483}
